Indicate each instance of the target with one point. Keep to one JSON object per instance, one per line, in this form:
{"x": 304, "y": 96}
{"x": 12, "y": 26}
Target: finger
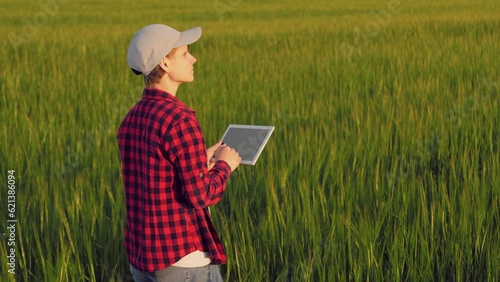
{"x": 211, "y": 150}
{"x": 216, "y": 145}
{"x": 211, "y": 165}
{"x": 221, "y": 147}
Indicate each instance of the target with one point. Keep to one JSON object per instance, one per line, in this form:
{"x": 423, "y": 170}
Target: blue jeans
{"x": 208, "y": 273}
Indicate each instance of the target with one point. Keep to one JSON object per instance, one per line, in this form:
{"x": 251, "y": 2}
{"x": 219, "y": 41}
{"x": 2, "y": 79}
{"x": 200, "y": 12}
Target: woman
{"x": 168, "y": 180}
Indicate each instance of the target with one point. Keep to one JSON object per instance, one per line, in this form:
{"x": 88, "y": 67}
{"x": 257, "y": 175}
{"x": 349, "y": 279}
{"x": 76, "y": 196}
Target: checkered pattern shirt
{"x": 168, "y": 187}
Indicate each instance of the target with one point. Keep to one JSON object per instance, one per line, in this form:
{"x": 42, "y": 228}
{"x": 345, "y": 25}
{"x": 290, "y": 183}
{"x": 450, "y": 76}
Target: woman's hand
{"x": 211, "y": 153}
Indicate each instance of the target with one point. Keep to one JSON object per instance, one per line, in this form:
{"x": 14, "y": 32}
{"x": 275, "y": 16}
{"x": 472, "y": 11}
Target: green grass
{"x": 384, "y": 165}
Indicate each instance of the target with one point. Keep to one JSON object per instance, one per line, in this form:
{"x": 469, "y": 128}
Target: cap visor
{"x": 188, "y": 37}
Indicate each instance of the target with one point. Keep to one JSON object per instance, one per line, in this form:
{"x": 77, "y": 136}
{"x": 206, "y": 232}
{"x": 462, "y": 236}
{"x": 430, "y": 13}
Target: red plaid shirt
{"x": 167, "y": 184}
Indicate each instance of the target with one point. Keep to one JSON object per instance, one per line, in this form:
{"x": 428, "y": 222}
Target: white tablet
{"x": 247, "y": 140}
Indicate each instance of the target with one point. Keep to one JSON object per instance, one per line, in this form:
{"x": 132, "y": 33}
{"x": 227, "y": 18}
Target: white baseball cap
{"x": 153, "y": 42}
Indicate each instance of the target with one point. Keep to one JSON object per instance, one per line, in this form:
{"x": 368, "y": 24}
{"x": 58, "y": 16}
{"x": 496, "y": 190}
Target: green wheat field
{"x": 384, "y": 164}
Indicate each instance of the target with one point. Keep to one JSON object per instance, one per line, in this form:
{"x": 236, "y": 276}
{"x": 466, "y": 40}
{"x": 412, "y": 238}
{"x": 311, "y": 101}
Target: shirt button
{"x": 201, "y": 174}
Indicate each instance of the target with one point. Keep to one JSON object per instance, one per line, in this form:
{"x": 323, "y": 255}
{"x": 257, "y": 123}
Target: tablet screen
{"x": 248, "y": 140}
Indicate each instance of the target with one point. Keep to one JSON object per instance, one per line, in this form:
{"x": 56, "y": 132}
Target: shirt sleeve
{"x": 200, "y": 187}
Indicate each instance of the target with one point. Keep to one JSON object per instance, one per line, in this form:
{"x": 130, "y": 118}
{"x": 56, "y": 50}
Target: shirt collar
{"x": 158, "y": 94}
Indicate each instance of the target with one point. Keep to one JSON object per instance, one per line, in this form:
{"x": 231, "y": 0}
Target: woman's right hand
{"x": 229, "y": 155}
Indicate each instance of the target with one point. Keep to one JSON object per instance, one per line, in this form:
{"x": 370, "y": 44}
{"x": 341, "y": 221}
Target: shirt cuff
{"x": 224, "y": 166}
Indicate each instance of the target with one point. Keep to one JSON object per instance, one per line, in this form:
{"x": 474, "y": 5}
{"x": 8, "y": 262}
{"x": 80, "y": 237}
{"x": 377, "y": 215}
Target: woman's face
{"x": 180, "y": 65}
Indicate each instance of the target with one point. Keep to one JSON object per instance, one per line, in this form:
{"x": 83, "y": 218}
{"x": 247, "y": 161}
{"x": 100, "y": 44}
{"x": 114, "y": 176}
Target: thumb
{"x": 211, "y": 150}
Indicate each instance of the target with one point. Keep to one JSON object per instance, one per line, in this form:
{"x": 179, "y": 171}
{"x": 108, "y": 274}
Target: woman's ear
{"x": 163, "y": 65}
